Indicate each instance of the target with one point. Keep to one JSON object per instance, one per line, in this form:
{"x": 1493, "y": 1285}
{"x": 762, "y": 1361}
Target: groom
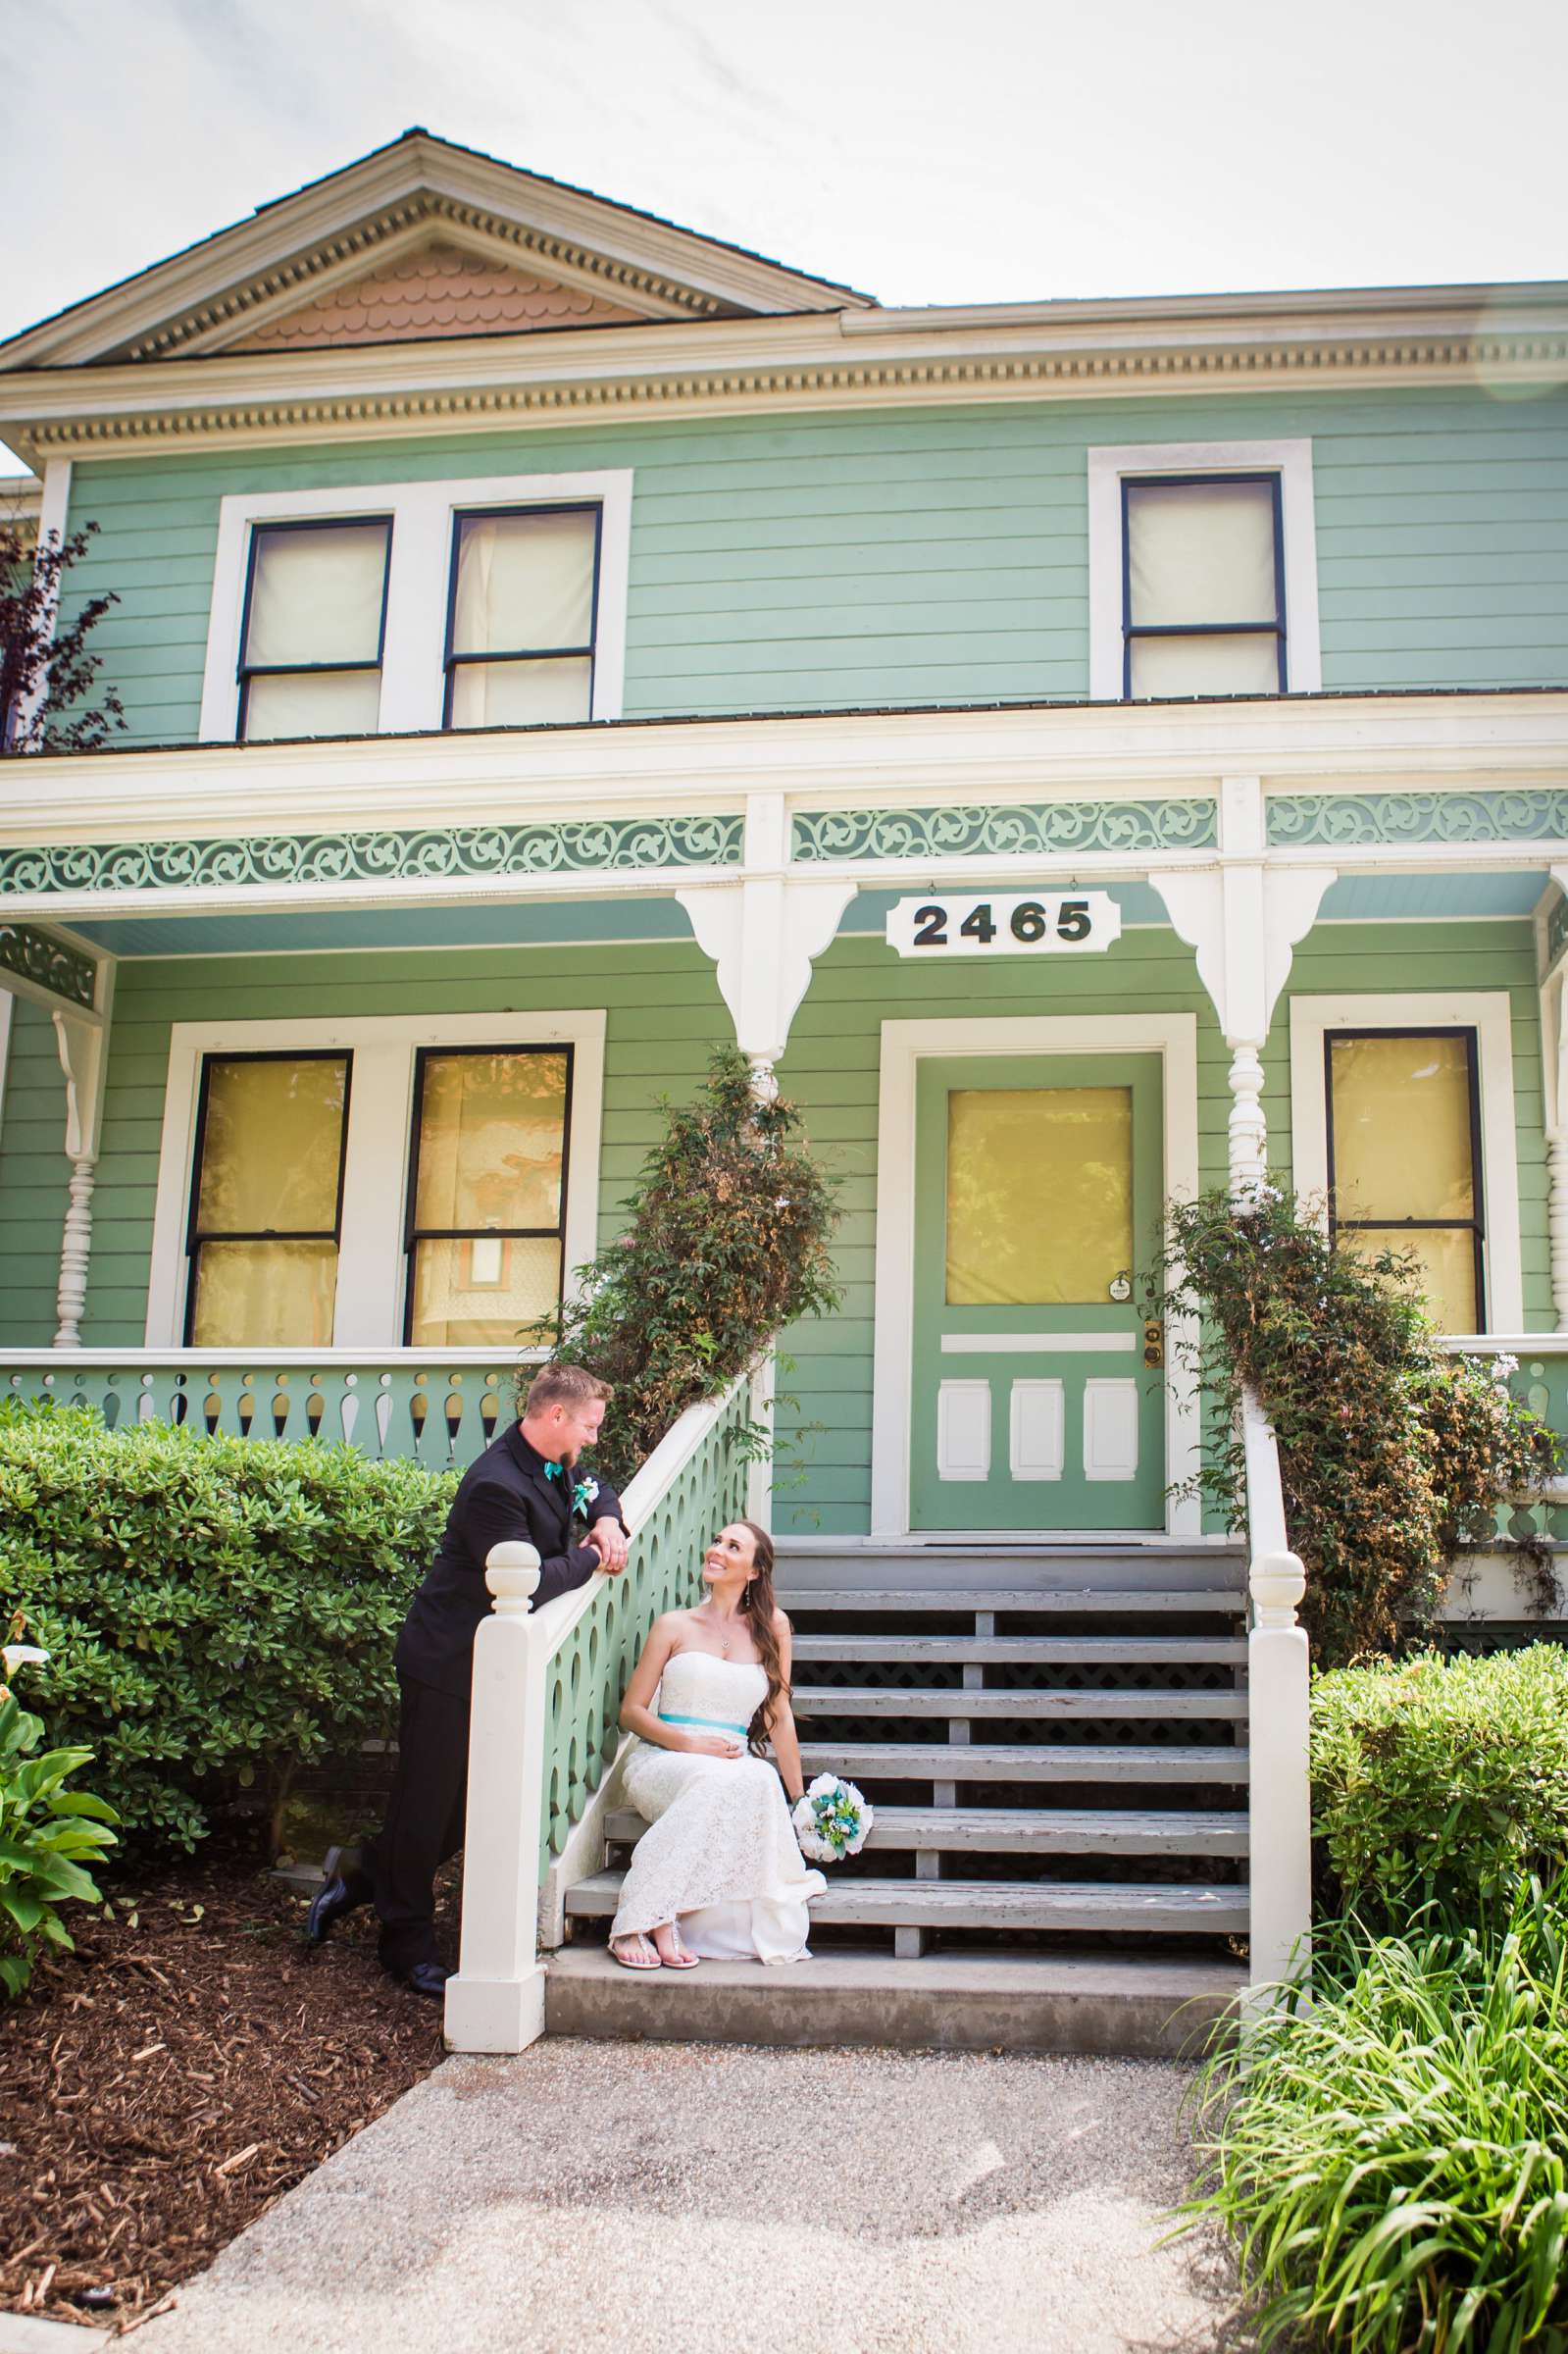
{"x": 526, "y": 1485}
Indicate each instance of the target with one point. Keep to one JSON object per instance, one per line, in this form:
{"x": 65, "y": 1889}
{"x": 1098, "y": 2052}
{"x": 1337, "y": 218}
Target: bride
{"x": 717, "y": 1871}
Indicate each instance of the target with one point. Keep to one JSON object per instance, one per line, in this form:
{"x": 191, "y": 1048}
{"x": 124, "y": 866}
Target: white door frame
{"x": 904, "y": 1044}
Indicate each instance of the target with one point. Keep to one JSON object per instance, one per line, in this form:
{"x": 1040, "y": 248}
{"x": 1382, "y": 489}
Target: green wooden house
{"x": 1080, "y": 752}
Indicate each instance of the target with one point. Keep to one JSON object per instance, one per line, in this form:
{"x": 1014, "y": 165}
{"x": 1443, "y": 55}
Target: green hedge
{"x": 219, "y": 1612}
{"x": 1440, "y": 1783}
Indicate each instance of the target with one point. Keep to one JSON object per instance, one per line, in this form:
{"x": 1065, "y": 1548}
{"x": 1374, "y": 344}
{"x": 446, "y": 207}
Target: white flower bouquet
{"x": 831, "y": 1821}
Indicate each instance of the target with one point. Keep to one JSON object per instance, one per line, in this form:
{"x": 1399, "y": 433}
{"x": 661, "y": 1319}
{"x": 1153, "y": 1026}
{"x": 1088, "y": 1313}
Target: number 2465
{"x": 1028, "y": 922}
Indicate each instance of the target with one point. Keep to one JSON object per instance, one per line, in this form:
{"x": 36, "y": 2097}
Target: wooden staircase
{"x": 1053, "y": 1739}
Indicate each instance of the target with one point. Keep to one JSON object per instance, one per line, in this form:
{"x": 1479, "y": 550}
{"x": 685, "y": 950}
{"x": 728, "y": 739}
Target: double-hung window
{"x": 314, "y": 628}
{"x": 401, "y": 608}
{"x": 266, "y": 1201}
{"x": 487, "y": 1196}
{"x": 1202, "y": 569}
{"x": 1404, "y": 1159}
{"x": 521, "y": 616}
{"x": 1202, "y": 585}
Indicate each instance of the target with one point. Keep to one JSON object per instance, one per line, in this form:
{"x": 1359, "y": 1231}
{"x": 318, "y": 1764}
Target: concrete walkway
{"x": 699, "y": 2199}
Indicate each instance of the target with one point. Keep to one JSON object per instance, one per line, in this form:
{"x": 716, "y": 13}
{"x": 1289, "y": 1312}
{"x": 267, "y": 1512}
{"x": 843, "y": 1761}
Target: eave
{"x": 1510, "y": 336}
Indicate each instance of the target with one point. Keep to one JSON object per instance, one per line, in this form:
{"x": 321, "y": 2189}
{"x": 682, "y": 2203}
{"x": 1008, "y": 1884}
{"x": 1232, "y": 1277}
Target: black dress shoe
{"x": 343, "y": 1890}
{"x": 425, "y": 1978}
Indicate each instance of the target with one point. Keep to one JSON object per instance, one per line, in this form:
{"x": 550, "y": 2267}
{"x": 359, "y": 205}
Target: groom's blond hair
{"x": 564, "y": 1385}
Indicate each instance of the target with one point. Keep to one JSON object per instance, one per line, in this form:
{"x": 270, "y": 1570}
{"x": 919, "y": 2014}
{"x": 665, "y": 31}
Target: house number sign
{"x": 1034, "y": 923}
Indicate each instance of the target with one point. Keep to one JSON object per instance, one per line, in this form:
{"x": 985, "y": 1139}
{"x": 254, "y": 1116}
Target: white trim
{"x": 54, "y": 507}
{"x": 1291, "y": 461}
{"x": 904, "y": 1044}
{"x": 1489, "y": 1013}
{"x": 411, "y": 677}
{"x": 370, "y": 1263}
{"x": 8, "y": 1000}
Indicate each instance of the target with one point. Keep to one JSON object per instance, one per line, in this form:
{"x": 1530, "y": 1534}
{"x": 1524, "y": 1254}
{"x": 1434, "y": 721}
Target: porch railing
{"x": 547, "y": 1691}
{"x": 439, "y": 1407}
{"x": 1538, "y": 1378}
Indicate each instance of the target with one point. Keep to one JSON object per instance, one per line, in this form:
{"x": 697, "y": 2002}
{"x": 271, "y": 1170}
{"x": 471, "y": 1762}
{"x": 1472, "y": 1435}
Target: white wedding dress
{"x": 720, "y": 1852}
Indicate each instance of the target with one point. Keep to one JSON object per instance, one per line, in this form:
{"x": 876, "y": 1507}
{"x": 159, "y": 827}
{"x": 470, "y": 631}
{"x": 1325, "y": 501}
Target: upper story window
{"x": 1202, "y": 585}
{"x": 394, "y": 608}
{"x": 523, "y": 609}
{"x": 315, "y": 622}
{"x": 1202, "y": 569}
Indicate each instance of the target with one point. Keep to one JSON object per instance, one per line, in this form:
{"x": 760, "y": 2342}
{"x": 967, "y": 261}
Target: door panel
{"x": 1039, "y": 1185}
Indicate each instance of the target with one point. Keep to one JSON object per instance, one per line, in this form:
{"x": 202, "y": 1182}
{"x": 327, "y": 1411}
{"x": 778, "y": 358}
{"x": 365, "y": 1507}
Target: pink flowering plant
{"x": 1393, "y": 1452}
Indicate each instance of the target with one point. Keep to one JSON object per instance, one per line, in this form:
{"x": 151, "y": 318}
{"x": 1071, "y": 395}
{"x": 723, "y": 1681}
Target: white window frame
{"x": 372, "y": 1262}
{"x": 1290, "y": 461}
{"x": 414, "y": 646}
{"x": 1489, "y": 1014}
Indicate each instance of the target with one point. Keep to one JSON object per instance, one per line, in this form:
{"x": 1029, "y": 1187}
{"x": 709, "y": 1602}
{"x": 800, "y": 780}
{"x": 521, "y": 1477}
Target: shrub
{"x": 1441, "y": 1782}
{"x": 217, "y": 1611}
{"x": 47, "y": 1834}
{"x": 726, "y": 1243}
{"x": 1393, "y": 2160}
{"x": 1392, "y": 1452}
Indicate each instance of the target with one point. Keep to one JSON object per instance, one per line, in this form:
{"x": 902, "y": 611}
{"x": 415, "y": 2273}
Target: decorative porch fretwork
{"x": 1297, "y": 819}
{"x": 34, "y": 956}
{"x": 576, "y": 844}
{"x": 1556, "y": 930}
{"x": 1034, "y": 830}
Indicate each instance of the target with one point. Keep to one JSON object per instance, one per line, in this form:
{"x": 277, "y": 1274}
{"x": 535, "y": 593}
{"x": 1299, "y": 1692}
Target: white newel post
{"x": 1279, "y": 1827}
{"x": 496, "y": 2001}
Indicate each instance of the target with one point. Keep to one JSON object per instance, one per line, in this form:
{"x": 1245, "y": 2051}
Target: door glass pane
{"x": 1246, "y": 664}
{"x": 524, "y": 582}
{"x": 1401, "y": 1128}
{"x": 264, "y": 1294}
{"x": 1200, "y": 552}
{"x": 520, "y": 694}
{"x": 1444, "y": 1267}
{"x": 271, "y": 1146}
{"x": 316, "y": 594}
{"x": 312, "y": 702}
{"x": 491, "y": 1140}
{"x": 1040, "y": 1193}
{"x": 480, "y": 1292}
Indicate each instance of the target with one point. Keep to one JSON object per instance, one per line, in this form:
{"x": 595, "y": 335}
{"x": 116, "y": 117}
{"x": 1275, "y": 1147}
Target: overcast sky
{"x": 921, "y": 150}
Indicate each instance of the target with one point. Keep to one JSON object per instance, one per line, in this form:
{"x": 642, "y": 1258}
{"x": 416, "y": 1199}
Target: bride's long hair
{"x": 757, "y": 1601}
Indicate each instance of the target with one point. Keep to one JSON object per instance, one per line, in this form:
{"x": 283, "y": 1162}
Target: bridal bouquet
{"x": 831, "y": 1821}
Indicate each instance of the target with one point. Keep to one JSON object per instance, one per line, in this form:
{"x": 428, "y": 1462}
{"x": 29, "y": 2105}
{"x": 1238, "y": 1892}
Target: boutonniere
{"x": 582, "y": 1495}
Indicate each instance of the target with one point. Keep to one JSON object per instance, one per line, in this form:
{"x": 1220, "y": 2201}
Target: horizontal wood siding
{"x": 34, "y": 1174}
{"x": 898, "y": 557}
{"x": 663, "y": 1013}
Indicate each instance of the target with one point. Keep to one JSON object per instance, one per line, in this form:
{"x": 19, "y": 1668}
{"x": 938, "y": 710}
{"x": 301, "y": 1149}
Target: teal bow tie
{"x": 553, "y": 1471}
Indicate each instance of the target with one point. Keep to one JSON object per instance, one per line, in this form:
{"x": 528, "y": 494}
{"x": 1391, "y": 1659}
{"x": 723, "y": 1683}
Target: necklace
{"x": 725, "y": 1638}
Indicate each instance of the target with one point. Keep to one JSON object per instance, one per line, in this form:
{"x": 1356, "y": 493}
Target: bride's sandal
{"x": 678, "y": 1958}
{"x": 634, "y": 1953}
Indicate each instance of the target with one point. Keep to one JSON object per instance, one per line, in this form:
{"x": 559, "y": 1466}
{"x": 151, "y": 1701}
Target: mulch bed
{"x": 188, "y": 2065}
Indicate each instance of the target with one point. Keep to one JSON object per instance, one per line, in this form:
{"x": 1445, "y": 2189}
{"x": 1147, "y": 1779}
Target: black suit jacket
{"x": 504, "y": 1494}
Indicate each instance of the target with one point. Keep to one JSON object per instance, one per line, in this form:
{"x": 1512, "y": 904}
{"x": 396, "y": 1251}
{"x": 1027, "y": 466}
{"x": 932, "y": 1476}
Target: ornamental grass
{"x": 1393, "y": 2160}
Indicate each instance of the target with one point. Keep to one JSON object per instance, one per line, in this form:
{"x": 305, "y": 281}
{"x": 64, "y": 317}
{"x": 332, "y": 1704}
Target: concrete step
{"x": 1043, "y": 1761}
{"x": 1064, "y": 1601}
{"x": 1030, "y": 1832}
{"x": 1098, "y": 1906}
{"x": 1042, "y": 1708}
{"x": 1025, "y": 1650}
{"x": 1115, "y": 2003}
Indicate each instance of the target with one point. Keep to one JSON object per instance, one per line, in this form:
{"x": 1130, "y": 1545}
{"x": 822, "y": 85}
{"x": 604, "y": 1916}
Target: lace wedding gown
{"x": 720, "y": 1852}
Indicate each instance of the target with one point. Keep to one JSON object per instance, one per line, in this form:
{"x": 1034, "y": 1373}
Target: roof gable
{"x": 435, "y": 289}
{"x": 527, "y": 242}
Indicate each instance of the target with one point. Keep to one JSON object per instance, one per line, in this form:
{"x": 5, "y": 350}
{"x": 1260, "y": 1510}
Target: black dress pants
{"x": 424, "y": 1819}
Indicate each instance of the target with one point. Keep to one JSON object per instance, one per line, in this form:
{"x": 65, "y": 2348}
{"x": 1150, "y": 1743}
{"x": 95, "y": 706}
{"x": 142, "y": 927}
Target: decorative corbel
{"x": 763, "y": 936}
{"x": 1243, "y": 923}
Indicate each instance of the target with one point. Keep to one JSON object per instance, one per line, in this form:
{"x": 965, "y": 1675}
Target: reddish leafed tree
{"x": 47, "y": 676}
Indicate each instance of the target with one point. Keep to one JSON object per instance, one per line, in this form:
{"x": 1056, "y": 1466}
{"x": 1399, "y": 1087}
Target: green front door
{"x": 1038, "y": 1195}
